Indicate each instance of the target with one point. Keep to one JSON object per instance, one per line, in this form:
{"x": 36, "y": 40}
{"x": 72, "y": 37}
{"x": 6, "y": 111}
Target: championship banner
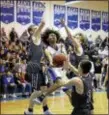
{"x": 38, "y": 10}
{"x": 96, "y": 20}
{"x": 7, "y": 11}
{"x": 105, "y": 21}
{"x": 23, "y": 11}
{"x": 59, "y": 13}
{"x": 84, "y": 19}
{"x": 72, "y": 17}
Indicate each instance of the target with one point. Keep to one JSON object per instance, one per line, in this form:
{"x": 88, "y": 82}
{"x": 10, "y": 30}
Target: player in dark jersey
{"x": 81, "y": 98}
{"x": 34, "y": 68}
{"x": 82, "y": 90}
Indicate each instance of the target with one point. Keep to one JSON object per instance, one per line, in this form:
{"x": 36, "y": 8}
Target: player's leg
{"x": 33, "y": 72}
{"x": 43, "y": 88}
{"x": 57, "y": 84}
{"x": 31, "y": 102}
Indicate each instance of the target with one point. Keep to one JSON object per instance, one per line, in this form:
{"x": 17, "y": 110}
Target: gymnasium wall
{"x": 91, "y": 5}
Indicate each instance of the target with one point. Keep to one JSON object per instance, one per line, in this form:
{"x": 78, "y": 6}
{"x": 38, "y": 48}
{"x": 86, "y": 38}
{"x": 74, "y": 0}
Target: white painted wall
{"x": 95, "y": 5}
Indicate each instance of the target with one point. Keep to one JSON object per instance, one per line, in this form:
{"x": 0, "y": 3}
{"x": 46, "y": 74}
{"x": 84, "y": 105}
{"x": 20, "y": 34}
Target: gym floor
{"x": 57, "y": 104}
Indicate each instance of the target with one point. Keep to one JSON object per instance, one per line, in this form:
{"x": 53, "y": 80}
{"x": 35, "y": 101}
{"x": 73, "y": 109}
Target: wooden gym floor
{"x": 57, "y": 104}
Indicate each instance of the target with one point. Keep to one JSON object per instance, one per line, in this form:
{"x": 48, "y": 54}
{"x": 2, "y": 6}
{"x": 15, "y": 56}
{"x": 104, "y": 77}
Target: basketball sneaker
{"x": 48, "y": 112}
{"x": 26, "y": 112}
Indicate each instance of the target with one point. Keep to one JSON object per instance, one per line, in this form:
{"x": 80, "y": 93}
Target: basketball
{"x": 58, "y": 60}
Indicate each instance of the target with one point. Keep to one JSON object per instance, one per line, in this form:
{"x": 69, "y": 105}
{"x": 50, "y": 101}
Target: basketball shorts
{"x": 35, "y": 75}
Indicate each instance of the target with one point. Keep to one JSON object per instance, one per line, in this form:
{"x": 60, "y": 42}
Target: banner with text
{"x": 7, "y": 11}
{"x": 23, "y": 12}
{"x": 38, "y": 10}
{"x": 105, "y": 21}
{"x": 59, "y": 13}
{"x": 72, "y": 17}
{"x": 84, "y": 19}
{"x": 95, "y": 20}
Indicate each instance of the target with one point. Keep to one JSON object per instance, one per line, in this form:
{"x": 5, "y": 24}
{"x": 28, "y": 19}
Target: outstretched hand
{"x": 66, "y": 65}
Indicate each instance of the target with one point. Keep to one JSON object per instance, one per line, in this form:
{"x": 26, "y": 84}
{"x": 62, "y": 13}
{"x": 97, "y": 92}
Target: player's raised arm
{"x": 68, "y": 65}
{"x": 37, "y": 31}
{"x": 75, "y": 42}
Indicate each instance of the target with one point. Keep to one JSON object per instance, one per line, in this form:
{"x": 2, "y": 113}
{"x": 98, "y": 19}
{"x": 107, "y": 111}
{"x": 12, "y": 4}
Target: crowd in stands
{"x": 14, "y": 58}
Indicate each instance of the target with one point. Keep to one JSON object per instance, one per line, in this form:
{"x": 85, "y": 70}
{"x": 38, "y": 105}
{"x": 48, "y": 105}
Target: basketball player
{"x": 76, "y": 54}
{"x": 51, "y": 39}
{"x": 57, "y": 74}
{"x": 82, "y": 94}
{"x": 34, "y": 69}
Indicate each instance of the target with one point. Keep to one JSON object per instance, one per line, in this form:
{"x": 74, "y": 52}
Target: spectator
{"x": 24, "y": 37}
{"x": 25, "y": 85}
{"x": 22, "y": 84}
{"x": 2, "y": 67}
{"x": 2, "y": 71}
{"x": 9, "y": 86}
{"x": 3, "y": 35}
{"x": 13, "y": 35}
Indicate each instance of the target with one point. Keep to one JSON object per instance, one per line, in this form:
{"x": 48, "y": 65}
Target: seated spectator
{"x": 19, "y": 84}
{"x": 8, "y": 83}
{"x": 25, "y": 85}
{"x": 2, "y": 71}
{"x": 20, "y": 69}
{"x": 2, "y": 67}
{"x": 23, "y": 66}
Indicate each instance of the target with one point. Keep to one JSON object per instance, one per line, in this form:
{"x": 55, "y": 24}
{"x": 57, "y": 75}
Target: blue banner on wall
{"x": 7, "y": 11}
{"x": 105, "y": 21}
{"x": 38, "y": 10}
{"x": 23, "y": 12}
{"x": 96, "y": 20}
{"x": 70, "y": 0}
{"x": 59, "y": 13}
{"x": 72, "y": 17}
{"x": 84, "y": 19}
